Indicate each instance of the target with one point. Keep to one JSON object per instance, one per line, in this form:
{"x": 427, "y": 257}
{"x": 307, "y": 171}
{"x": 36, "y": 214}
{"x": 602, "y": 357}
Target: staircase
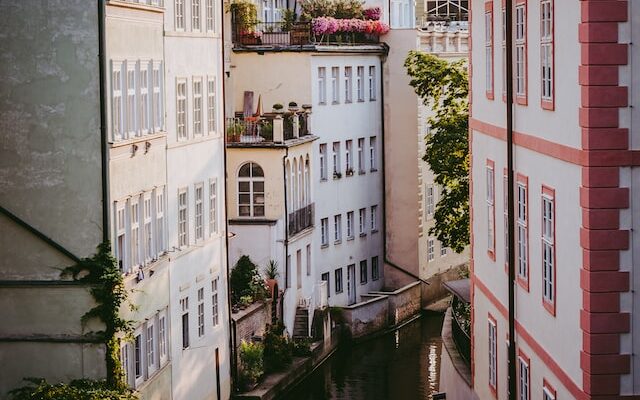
{"x": 301, "y": 324}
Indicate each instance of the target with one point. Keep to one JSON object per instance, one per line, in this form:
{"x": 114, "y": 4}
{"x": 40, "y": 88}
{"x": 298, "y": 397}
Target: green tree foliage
{"x": 246, "y": 281}
{"x": 444, "y": 87}
{"x": 81, "y": 389}
{"x": 278, "y": 351}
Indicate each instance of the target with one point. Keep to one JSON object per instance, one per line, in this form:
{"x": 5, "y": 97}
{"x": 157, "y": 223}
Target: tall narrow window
{"x": 184, "y": 306}
{"x": 547, "y": 53}
{"x": 179, "y": 13}
{"x": 488, "y": 48}
{"x": 363, "y": 221}
{"x": 143, "y": 106}
{"x": 150, "y": 349}
{"x": 375, "y": 268}
{"x": 374, "y": 219}
{"x": 324, "y": 231}
{"x": 121, "y": 233}
{"x": 521, "y": 52}
{"x": 372, "y": 83}
{"x": 505, "y": 194}
{"x": 251, "y": 190}
{"x": 160, "y": 244}
{"x": 504, "y": 51}
{"x": 337, "y": 228}
{"x": 131, "y": 99}
{"x": 325, "y": 277}
{"x": 214, "y": 302}
{"x": 116, "y": 100}
{"x": 364, "y": 273}
{"x": 197, "y": 106}
{"x": 199, "y": 211}
{"x": 322, "y": 85}
{"x": 288, "y": 272}
{"x": 162, "y": 337}
{"x": 548, "y": 249}
{"x": 491, "y": 209}
{"x": 148, "y": 228}
{"x": 429, "y": 201}
{"x": 213, "y": 207}
{"x": 431, "y": 250}
{"x": 183, "y": 226}
{"x": 181, "y": 109}
{"x": 211, "y": 106}
{"x": 157, "y": 98}
{"x": 348, "y": 84}
{"x": 195, "y": 15}
{"x": 360, "y": 83}
{"x": 523, "y": 233}
{"x": 373, "y": 163}
{"x": 210, "y": 16}
{"x": 548, "y": 392}
{"x": 337, "y": 167}
{"x": 201, "y": 312}
{"x": 135, "y": 233}
{"x": 323, "y": 161}
{"x": 338, "y": 280}
{"x": 137, "y": 354}
{"x": 361, "y": 156}
{"x": 349, "y": 156}
{"x": 308, "y": 260}
{"x": 350, "y": 225}
{"x": 335, "y": 85}
{"x": 493, "y": 355}
{"x": 523, "y": 378}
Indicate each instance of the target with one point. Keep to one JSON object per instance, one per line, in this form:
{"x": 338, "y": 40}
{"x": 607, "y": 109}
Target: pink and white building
{"x": 576, "y": 177}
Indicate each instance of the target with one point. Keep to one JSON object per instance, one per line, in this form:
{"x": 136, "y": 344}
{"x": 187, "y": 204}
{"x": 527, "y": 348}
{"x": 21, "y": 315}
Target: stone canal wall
{"x": 252, "y": 321}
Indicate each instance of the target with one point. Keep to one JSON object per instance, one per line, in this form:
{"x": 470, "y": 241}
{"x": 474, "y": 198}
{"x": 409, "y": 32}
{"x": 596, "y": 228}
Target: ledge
{"x": 374, "y": 48}
{"x": 253, "y": 221}
{"x": 457, "y": 360}
{"x": 274, "y": 145}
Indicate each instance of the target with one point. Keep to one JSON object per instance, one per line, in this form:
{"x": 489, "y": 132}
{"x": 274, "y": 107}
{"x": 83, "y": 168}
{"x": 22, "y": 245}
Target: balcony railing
{"x": 268, "y": 128}
{"x": 301, "y": 219}
{"x": 460, "y": 336}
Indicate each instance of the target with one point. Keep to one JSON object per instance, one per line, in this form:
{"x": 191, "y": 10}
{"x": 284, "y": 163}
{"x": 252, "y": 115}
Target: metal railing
{"x": 460, "y": 336}
{"x": 261, "y": 129}
{"x": 301, "y": 219}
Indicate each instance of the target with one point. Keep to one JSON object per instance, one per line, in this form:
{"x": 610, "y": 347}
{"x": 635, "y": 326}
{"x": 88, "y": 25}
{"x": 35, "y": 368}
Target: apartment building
{"x": 573, "y": 186}
{"x": 131, "y": 154}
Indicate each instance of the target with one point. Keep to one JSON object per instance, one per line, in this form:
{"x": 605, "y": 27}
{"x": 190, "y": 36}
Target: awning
{"x": 460, "y": 288}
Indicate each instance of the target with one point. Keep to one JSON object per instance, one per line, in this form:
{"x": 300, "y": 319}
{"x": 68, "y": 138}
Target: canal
{"x": 403, "y": 364}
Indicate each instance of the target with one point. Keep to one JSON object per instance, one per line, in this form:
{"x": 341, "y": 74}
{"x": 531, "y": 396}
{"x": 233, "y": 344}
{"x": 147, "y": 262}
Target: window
{"x": 429, "y": 203}
{"x": 364, "y": 274}
{"x": 523, "y": 233}
{"x": 210, "y": 16}
{"x": 150, "y": 349}
{"x": 201, "y": 312}
{"x": 431, "y": 250}
{"x": 374, "y": 219}
{"x": 521, "y": 53}
{"x": 372, "y": 153}
{"x": 349, "y": 156}
{"x": 337, "y": 228}
{"x": 493, "y": 355}
{"x": 324, "y": 231}
{"x": 523, "y": 378}
{"x": 372, "y": 83}
{"x": 183, "y": 225}
{"x": 546, "y": 52}
{"x": 308, "y": 260}
{"x": 179, "y": 10}
{"x": 350, "y": 225}
{"x": 288, "y": 272}
{"x": 160, "y": 221}
{"x": 322, "y": 85}
{"x": 491, "y": 210}
{"x": 443, "y": 250}
{"x": 131, "y": 99}
{"x": 337, "y": 168}
{"x": 143, "y": 107}
{"x": 335, "y": 85}
{"x": 147, "y": 230}
{"x": 325, "y": 277}
{"x": 157, "y": 98}
{"x": 121, "y": 237}
{"x": 195, "y": 15}
{"x": 211, "y": 106}
{"x": 504, "y": 51}
{"x": 184, "y": 306}
{"x": 117, "y": 120}
{"x": 181, "y": 109}
{"x": 197, "y": 106}
{"x": 360, "y": 83}
{"x": 199, "y": 215}
{"x": 214, "y": 302}
{"x": 323, "y": 161}
{"x": 361, "y": 155}
{"x": 548, "y": 392}
{"x": 348, "y": 84}
{"x": 251, "y": 190}
{"x": 375, "y": 269}
{"x": 505, "y": 185}
{"x": 213, "y": 207}
{"x": 488, "y": 49}
{"x": 137, "y": 356}
{"x": 338, "y": 276}
{"x": 363, "y": 221}
{"x": 162, "y": 338}
{"x": 548, "y": 248}
{"x": 135, "y": 233}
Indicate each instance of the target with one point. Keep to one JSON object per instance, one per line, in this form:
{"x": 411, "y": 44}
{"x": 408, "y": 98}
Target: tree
{"x": 444, "y": 87}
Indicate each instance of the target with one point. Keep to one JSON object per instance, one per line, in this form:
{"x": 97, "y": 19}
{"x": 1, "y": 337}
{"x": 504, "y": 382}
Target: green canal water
{"x": 404, "y": 364}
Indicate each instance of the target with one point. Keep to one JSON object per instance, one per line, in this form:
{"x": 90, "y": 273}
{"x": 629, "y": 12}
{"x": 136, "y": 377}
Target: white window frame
{"x": 324, "y": 231}
{"x": 322, "y": 85}
{"x": 131, "y": 102}
{"x": 363, "y": 221}
{"x": 323, "y": 161}
{"x": 148, "y": 213}
{"x": 215, "y": 316}
{"x": 251, "y": 180}
{"x": 335, "y": 85}
{"x": 213, "y": 206}
{"x": 349, "y": 155}
{"x": 361, "y": 160}
{"x": 337, "y": 228}
{"x": 121, "y": 221}
{"x": 160, "y": 222}
{"x": 493, "y": 354}
{"x": 144, "y": 100}
{"x": 196, "y": 86}
{"x": 488, "y": 50}
{"x": 198, "y": 197}
{"x": 185, "y": 331}
{"x": 350, "y": 225}
{"x": 546, "y": 49}
{"x": 360, "y": 83}
{"x": 521, "y": 49}
{"x": 196, "y": 15}
{"x": 373, "y": 151}
{"x": 211, "y": 16}
{"x": 523, "y": 379}
{"x": 348, "y": 84}
{"x": 139, "y": 357}
{"x": 150, "y": 348}
{"x": 183, "y": 217}
{"x": 429, "y": 201}
{"x": 372, "y": 83}
{"x": 157, "y": 81}
{"x": 337, "y": 166}
{"x": 523, "y": 253}
{"x": 431, "y": 249}
{"x": 179, "y": 11}
{"x": 491, "y": 210}
{"x": 548, "y": 248}
{"x": 163, "y": 336}
{"x": 212, "y": 114}
{"x": 182, "y": 124}
{"x": 201, "y": 324}
{"x": 117, "y": 101}
{"x": 135, "y": 231}
{"x": 374, "y": 219}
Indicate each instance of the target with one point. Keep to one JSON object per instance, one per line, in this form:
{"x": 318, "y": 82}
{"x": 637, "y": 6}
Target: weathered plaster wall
{"x": 368, "y": 317}
{"x": 252, "y": 321}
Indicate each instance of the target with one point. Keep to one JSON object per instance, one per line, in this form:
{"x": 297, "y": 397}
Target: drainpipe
{"x": 102, "y": 60}
{"x": 286, "y": 226}
{"x": 510, "y": 200}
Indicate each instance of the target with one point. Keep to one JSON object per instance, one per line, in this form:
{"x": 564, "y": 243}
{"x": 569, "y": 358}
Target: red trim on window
{"x": 550, "y": 389}
{"x": 527, "y": 360}
{"x": 524, "y": 283}
{"x": 491, "y": 252}
{"x": 523, "y": 99}
{"x": 550, "y": 306}
{"x": 488, "y": 9}
{"x": 494, "y": 389}
{"x": 551, "y": 104}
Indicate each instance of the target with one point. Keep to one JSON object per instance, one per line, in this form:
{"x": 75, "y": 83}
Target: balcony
{"x": 301, "y": 219}
{"x": 269, "y": 129}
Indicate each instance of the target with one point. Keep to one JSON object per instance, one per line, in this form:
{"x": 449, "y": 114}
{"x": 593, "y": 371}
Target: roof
{"x": 460, "y": 288}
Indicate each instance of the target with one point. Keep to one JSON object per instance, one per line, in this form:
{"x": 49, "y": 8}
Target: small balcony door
{"x": 351, "y": 283}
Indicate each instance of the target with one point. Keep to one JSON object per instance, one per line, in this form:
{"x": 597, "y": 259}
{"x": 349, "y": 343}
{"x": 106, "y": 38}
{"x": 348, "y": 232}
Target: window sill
{"x": 128, "y": 4}
{"x": 373, "y": 170}
{"x": 361, "y": 172}
{"x": 350, "y": 238}
{"x": 336, "y": 242}
{"x": 137, "y": 139}
{"x": 193, "y": 140}
{"x": 322, "y": 103}
{"x": 324, "y": 246}
{"x": 363, "y": 235}
{"x": 374, "y": 231}
{"x": 335, "y": 102}
{"x": 363, "y": 283}
{"x": 323, "y": 179}
{"x": 360, "y": 100}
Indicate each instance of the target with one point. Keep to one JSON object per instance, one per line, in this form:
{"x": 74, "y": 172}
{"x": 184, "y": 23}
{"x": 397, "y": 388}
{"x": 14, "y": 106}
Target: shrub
{"x": 302, "y": 347}
{"x": 271, "y": 270}
{"x": 278, "y": 351}
{"x": 278, "y": 106}
{"x": 251, "y": 357}
{"x": 80, "y": 389}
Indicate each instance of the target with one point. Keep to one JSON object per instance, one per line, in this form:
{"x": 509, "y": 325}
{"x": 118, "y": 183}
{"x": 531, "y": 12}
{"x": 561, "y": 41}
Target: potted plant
{"x": 349, "y": 171}
{"x": 293, "y": 106}
{"x": 245, "y": 301}
{"x": 235, "y": 130}
{"x": 271, "y": 273}
{"x": 266, "y": 130}
{"x": 337, "y": 175}
{"x": 278, "y": 108}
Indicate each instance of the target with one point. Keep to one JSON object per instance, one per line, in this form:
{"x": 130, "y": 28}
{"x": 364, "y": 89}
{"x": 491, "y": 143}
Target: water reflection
{"x": 404, "y": 364}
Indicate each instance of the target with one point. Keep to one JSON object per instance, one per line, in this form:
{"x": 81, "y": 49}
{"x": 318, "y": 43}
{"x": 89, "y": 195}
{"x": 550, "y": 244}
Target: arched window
{"x": 288, "y": 179}
{"x": 294, "y": 185}
{"x": 251, "y": 190}
{"x": 307, "y": 180}
{"x": 301, "y": 184}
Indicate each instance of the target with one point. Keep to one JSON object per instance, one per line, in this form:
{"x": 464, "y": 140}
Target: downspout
{"x": 510, "y": 200}
{"x": 286, "y": 226}
{"x": 102, "y": 60}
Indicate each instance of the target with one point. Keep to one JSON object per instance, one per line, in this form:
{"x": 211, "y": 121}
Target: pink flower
{"x": 373, "y": 13}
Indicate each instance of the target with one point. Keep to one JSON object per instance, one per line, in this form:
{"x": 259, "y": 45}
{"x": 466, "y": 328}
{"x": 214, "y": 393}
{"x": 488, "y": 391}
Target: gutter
{"x": 510, "y": 201}
{"x": 102, "y": 60}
